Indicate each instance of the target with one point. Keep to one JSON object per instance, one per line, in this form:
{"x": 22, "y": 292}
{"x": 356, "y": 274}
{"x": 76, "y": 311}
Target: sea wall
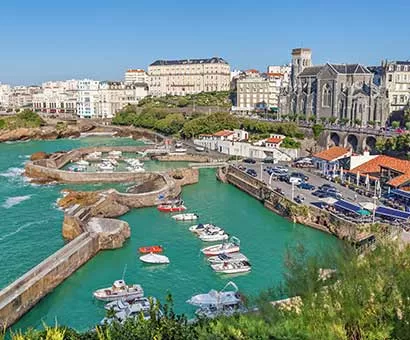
{"x": 24, "y": 293}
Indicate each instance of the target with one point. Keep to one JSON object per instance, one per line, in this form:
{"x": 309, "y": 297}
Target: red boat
{"x": 171, "y": 208}
{"x": 150, "y": 249}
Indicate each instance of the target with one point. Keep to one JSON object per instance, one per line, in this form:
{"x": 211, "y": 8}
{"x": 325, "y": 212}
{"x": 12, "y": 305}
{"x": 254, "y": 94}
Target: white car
{"x": 295, "y": 180}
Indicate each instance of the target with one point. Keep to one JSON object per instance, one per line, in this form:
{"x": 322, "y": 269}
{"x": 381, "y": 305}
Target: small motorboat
{"x": 214, "y": 236}
{"x": 232, "y": 267}
{"x": 180, "y": 150}
{"x": 185, "y": 217}
{"x": 171, "y": 208}
{"x": 80, "y": 168}
{"x": 154, "y": 259}
{"x": 233, "y": 246}
{"x": 136, "y": 169}
{"x": 178, "y": 145}
{"x": 106, "y": 166}
{"x": 83, "y": 162}
{"x": 150, "y": 249}
{"x": 202, "y": 228}
{"x": 115, "y": 154}
{"x": 227, "y": 258}
{"x": 119, "y": 290}
{"x": 200, "y": 148}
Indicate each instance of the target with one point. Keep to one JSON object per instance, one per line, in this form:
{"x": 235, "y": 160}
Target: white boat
{"x": 185, "y": 217}
{"x": 232, "y": 267}
{"x": 94, "y": 155}
{"x": 134, "y": 162}
{"x": 112, "y": 161}
{"x": 233, "y": 246}
{"x": 200, "y": 148}
{"x": 178, "y": 145}
{"x": 115, "y": 154}
{"x": 219, "y": 303}
{"x": 79, "y": 168}
{"x": 83, "y": 162}
{"x": 180, "y": 150}
{"x": 135, "y": 169}
{"x": 202, "y": 228}
{"x": 106, "y": 166}
{"x": 214, "y": 236}
{"x": 154, "y": 259}
{"x": 119, "y": 290}
{"x": 133, "y": 309}
{"x": 227, "y": 258}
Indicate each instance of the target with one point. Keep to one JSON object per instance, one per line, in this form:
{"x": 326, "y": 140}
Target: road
{"x": 314, "y": 179}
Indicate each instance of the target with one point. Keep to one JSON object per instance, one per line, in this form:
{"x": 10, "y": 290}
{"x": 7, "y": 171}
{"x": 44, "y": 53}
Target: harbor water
{"x": 30, "y": 230}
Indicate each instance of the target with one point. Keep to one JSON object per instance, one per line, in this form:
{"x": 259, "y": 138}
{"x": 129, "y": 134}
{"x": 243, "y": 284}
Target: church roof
{"x": 310, "y": 71}
{"x": 349, "y": 68}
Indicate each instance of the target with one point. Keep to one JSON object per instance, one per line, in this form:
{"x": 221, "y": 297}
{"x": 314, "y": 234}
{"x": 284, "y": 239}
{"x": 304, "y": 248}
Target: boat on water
{"x": 119, "y": 290}
{"x": 200, "y": 148}
{"x": 150, "y": 249}
{"x": 152, "y": 258}
{"x": 232, "y": 267}
{"x": 227, "y": 258}
{"x": 232, "y": 246}
{"x": 106, "y": 166}
{"x": 83, "y": 162}
{"x": 185, "y": 217}
{"x": 180, "y": 150}
{"x": 171, "y": 208}
{"x": 203, "y": 228}
{"x": 115, "y": 154}
{"x": 136, "y": 169}
{"x": 124, "y": 310}
{"x": 214, "y": 303}
{"x": 79, "y": 168}
{"x": 213, "y": 236}
{"x": 113, "y": 161}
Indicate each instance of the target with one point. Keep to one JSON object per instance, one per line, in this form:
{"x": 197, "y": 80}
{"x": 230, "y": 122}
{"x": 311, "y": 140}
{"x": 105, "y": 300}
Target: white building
{"x": 5, "y": 93}
{"x": 189, "y": 76}
{"x": 87, "y": 98}
{"x": 135, "y": 76}
{"x": 55, "y": 102}
{"x": 396, "y": 78}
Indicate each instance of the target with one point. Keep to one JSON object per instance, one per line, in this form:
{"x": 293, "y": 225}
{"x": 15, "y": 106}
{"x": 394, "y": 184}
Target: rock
{"x": 109, "y": 208}
{"x": 82, "y": 198}
{"x": 71, "y": 227}
{"x": 111, "y": 233}
{"x": 18, "y": 134}
{"x": 38, "y": 155}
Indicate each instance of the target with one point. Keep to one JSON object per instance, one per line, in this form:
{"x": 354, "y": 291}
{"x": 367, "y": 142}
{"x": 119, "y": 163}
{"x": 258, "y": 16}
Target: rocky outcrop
{"x": 109, "y": 207}
{"x": 38, "y": 155}
{"x": 71, "y": 227}
{"x": 111, "y": 233}
{"x": 82, "y": 198}
{"x": 184, "y": 176}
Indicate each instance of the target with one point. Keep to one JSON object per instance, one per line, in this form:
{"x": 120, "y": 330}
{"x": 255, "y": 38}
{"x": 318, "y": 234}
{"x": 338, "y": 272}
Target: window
{"x": 326, "y": 96}
{"x": 394, "y": 99}
{"x": 401, "y": 99}
{"x": 390, "y": 77}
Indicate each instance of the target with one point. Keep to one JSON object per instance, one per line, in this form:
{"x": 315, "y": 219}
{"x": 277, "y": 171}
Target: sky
{"x": 45, "y": 40}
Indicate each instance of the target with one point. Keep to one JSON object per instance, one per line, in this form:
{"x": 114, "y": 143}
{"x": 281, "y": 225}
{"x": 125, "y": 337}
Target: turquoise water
{"x": 28, "y": 234}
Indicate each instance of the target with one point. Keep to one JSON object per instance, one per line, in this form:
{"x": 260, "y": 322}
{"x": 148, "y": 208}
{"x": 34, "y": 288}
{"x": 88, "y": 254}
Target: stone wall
{"x": 175, "y": 157}
{"x": 24, "y": 293}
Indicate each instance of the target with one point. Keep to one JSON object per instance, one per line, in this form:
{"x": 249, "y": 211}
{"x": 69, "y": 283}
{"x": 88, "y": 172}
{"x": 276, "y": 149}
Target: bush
{"x": 290, "y": 143}
{"x": 2, "y": 123}
{"x": 395, "y": 124}
{"x": 317, "y": 129}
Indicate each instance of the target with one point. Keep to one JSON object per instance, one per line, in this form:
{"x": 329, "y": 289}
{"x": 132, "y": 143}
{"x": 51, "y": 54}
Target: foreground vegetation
{"x": 23, "y": 119}
{"x": 221, "y": 99}
{"x": 188, "y": 126}
{"x": 369, "y": 298}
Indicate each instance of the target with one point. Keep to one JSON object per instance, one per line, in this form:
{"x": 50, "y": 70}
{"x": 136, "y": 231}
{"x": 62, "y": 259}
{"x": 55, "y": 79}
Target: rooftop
{"x": 223, "y": 133}
{"x": 275, "y": 140}
{"x": 213, "y": 60}
{"x": 349, "y": 68}
{"x": 332, "y": 153}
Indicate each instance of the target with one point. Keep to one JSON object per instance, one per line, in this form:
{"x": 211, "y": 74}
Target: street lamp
{"x": 374, "y": 207}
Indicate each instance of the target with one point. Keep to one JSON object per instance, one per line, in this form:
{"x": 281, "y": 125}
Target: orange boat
{"x": 171, "y": 208}
{"x": 150, "y": 249}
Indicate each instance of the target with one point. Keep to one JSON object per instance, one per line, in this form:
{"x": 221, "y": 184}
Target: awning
{"x": 329, "y": 200}
{"x": 348, "y": 206}
{"x": 368, "y": 205}
{"x": 401, "y": 193}
{"x": 393, "y": 213}
{"x": 364, "y": 212}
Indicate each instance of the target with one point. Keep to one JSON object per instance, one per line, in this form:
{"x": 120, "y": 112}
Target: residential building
{"x": 341, "y": 91}
{"x": 5, "y": 92}
{"x": 282, "y": 71}
{"x": 114, "y": 96}
{"x": 189, "y": 76}
{"x": 87, "y": 98}
{"x": 22, "y": 96}
{"x": 55, "y": 102}
{"x": 329, "y": 160}
{"x": 136, "y": 76}
{"x": 396, "y": 79}
{"x": 274, "y": 141}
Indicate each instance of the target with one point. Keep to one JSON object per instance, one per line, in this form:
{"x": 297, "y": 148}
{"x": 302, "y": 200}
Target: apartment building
{"x": 5, "y": 92}
{"x": 188, "y": 76}
{"x": 87, "y": 98}
{"x": 135, "y": 76}
{"x": 396, "y": 79}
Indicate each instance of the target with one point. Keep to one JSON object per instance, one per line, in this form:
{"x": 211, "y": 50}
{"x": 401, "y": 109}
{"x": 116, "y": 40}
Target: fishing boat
{"x": 154, "y": 259}
{"x": 216, "y": 303}
{"x": 232, "y": 267}
{"x": 203, "y": 228}
{"x": 119, "y": 290}
{"x": 136, "y": 308}
{"x": 233, "y": 246}
{"x": 150, "y": 249}
{"x": 185, "y": 217}
{"x": 83, "y": 162}
{"x": 171, "y": 208}
{"x": 227, "y": 258}
{"x": 214, "y": 236}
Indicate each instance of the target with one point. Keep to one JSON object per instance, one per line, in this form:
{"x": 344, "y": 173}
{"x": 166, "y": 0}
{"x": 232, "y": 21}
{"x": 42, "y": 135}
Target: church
{"x": 346, "y": 92}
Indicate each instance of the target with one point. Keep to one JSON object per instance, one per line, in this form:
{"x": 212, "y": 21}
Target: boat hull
{"x": 210, "y": 251}
{"x": 151, "y": 249}
{"x": 167, "y": 209}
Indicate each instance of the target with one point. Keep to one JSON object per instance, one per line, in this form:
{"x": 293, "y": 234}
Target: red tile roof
{"x": 252, "y": 71}
{"x": 332, "y": 153}
{"x": 223, "y": 133}
{"x": 136, "y": 70}
{"x": 275, "y": 140}
{"x": 399, "y": 180}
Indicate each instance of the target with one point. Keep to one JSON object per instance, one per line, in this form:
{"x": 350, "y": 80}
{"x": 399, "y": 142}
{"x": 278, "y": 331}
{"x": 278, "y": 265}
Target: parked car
{"x": 283, "y": 177}
{"x": 299, "y": 199}
{"x": 251, "y": 172}
{"x": 279, "y": 190}
{"x": 249, "y": 161}
{"x": 241, "y": 167}
{"x": 268, "y": 160}
{"x": 303, "y": 177}
{"x": 306, "y": 186}
{"x": 295, "y": 180}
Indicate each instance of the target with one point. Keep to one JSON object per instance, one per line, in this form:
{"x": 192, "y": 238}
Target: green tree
{"x": 407, "y": 125}
{"x": 395, "y": 124}
{"x": 290, "y": 143}
{"x": 332, "y": 120}
{"x": 317, "y": 129}
{"x": 2, "y": 123}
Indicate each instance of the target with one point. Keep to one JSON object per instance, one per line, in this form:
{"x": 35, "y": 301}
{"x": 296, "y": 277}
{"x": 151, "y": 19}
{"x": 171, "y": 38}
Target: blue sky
{"x": 42, "y": 40}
